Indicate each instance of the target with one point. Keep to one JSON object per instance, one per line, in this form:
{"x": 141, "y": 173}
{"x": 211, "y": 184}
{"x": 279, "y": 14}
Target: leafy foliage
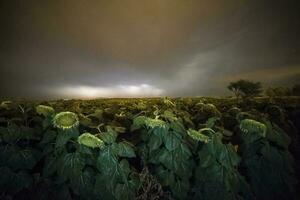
{"x": 267, "y": 161}
{"x": 146, "y": 149}
{"x": 217, "y": 176}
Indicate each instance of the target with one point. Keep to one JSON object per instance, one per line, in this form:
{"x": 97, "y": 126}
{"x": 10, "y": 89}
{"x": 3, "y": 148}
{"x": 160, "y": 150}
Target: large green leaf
{"x": 51, "y": 165}
{"x": 124, "y": 192}
{"x": 177, "y": 126}
{"x": 277, "y": 136}
{"x": 108, "y": 165}
{"x": 271, "y": 173}
{"x": 48, "y": 137}
{"x": 101, "y": 188}
{"x": 71, "y": 165}
{"x": 109, "y": 136}
{"x": 180, "y": 188}
{"x": 64, "y": 136}
{"x": 216, "y": 173}
{"x": 171, "y": 140}
{"x": 155, "y": 141}
{"x": 138, "y": 122}
{"x": 83, "y": 183}
{"x": 177, "y": 161}
{"x": 165, "y": 176}
{"x": 124, "y": 149}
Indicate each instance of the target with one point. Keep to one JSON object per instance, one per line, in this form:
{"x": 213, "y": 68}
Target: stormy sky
{"x": 128, "y": 48}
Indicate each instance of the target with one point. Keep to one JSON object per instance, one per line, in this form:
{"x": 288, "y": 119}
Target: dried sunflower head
{"x": 6, "y": 105}
{"x": 252, "y": 126}
{"x": 90, "y": 140}
{"x": 44, "y": 110}
{"x": 66, "y": 120}
{"x": 198, "y": 135}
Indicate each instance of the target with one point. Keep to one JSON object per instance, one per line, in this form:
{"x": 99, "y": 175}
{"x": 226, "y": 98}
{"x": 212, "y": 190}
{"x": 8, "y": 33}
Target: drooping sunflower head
{"x": 6, "y": 105}
{"x": 252, "y": 126}
{"x": 66, "y": 120}
{"x": 200, "y": 135}
{"x": 234, "y": 111}
{"x": 44, "y": 110}
{"x": 90, "y": 140}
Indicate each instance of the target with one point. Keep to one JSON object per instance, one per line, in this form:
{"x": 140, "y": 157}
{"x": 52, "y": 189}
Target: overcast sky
{"x": 115, "y": 48}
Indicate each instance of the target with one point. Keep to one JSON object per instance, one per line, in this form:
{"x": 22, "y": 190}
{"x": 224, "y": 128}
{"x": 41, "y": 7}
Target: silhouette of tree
{"x": 245, "y": 88}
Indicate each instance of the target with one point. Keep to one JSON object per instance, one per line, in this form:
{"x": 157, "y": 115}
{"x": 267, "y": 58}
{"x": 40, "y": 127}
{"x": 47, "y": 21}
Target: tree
{"x": 245, "y": 88}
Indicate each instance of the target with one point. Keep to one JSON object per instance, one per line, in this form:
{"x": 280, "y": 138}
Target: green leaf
{"x": 110, "y": 136}
{"x": 153, "y": 155}
{"x": 270, "y": 170}
{"x": 125, "y": 150}
{"x": 180, "y": 188}
{"x": 155, "y": 141}
{"x": 212, "y": 122}
{"x": 277, "y": 136}
{"x": 177, "y": 126}
{"x": 165, "y": 177}
{"x": 138, "y": 122}
{"x": 47, "y": 122}
{"x": 108, "y": 165}
{"x": 64, "y": 136}
{"x": 71, "y": 165}
{"x": 171, "y": 140}
{"x": 51, "y": 165}
{"x": 48, "y": 137}
{"x": 83, "y": 183}
{"x": 102, "y": 189}
{"x": 124, "y": 191}
{"x": 216, "y": 172}
{"x": 177, "y": 161}
{"x": 9, "y": 136}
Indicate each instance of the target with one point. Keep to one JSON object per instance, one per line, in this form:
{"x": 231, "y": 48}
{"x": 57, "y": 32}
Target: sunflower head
{"x": 66, "y": 120}
{"x": 199, "y": 135}
{"x": 6, "y": 105}
{"x": 44, "y": 110}
{"x": 252, "y": 126}
{"x": 90, "y": 140}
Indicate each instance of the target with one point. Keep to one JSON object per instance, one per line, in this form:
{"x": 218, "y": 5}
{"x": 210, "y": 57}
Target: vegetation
{"x": 245, "y": 88}
{"x": 278, "y": 91}
{"x": 185, "y": 148}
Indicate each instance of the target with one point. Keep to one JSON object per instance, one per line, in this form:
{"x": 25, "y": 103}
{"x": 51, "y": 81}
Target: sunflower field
{"x": 160, "y": 148}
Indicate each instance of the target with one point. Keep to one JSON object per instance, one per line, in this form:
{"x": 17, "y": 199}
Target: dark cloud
{"x": 133, "y": 48}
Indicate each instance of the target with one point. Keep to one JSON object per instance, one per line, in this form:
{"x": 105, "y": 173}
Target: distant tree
{"x": 245, "y": 88}
{"x": 278, "y": 91}
{"x": 296, "y": 90}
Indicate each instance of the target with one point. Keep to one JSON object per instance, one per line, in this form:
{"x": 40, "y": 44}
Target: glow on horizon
{"x": 89, "y": 92}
